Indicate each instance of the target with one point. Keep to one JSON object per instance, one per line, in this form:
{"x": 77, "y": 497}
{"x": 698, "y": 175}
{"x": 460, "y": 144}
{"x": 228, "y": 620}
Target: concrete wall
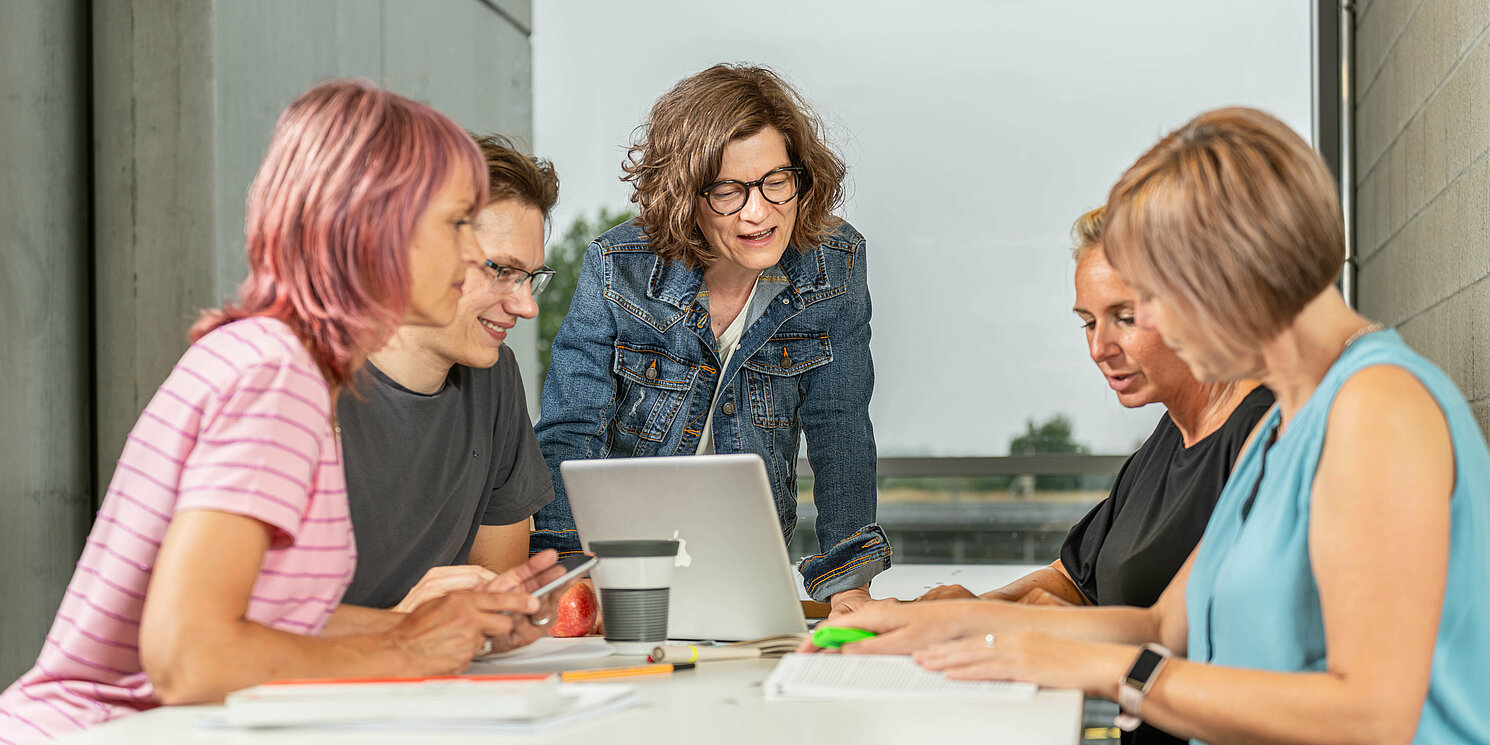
{"x": 45, "y": 446}
{"x": 186, "y": 97}
{"x": 1422, "y": 182}
{"x": 108, "y": 254}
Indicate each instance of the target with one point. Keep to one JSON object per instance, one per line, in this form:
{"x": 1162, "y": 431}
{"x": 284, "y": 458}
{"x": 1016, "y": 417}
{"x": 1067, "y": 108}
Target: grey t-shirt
{"x": 425, "y": 471}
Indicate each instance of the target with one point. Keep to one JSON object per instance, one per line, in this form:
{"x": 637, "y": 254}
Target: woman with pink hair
{"x": 223, "y": 546}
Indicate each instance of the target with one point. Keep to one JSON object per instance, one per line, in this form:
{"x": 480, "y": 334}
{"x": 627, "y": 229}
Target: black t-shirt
{"x": 424, "y": 472}
{"x": 1127, "y": 549}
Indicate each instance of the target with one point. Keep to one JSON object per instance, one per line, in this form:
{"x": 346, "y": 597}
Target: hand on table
{"x": 948, "y": 592}
{"x": 904, "y": 628}
{"x": 1032, "y": 657}
{"x": 841, "y": 605}
{"x": 846, "y": 602}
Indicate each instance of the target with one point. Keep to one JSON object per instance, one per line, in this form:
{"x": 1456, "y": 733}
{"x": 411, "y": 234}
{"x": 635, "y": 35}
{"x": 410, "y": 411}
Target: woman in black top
{"x": 1125, "y": 551}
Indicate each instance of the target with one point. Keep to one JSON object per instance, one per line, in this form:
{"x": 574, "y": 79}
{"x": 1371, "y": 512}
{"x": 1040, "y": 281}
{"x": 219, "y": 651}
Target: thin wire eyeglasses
{"x": 506, "y": 279}
{"x": 778, "y": 186}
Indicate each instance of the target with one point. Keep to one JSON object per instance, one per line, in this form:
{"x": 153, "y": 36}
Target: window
{"x": 975, "y": 133}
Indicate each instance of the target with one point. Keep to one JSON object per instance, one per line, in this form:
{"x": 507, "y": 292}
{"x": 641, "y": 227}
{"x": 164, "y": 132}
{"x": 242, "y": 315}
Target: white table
{"x": 718, "y": 702}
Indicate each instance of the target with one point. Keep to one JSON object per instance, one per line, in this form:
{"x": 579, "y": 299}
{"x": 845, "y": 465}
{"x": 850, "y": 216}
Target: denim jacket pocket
{"x": 654, "y": 385}
{"x": 773, "y": 376}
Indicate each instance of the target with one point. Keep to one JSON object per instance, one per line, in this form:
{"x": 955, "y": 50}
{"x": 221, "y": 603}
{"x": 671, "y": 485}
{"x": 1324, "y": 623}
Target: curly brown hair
{"x": 677, "y": 152}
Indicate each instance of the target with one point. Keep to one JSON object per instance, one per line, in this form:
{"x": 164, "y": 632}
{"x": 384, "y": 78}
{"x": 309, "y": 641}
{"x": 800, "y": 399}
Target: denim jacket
{"x": 635, "y": 366}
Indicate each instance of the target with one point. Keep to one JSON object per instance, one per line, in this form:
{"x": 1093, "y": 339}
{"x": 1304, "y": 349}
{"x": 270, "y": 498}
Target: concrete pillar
{"x": 45, "y": 446}
{"x": 154, "y": 191}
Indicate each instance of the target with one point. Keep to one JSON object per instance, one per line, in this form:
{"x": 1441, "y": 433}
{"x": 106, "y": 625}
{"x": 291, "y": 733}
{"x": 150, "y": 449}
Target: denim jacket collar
{"x": 636, "y": 372}
{"x": 676, "y": 284}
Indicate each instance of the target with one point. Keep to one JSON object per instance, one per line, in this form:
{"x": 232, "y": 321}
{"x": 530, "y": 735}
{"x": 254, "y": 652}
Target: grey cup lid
{"x": 633, "y": 549}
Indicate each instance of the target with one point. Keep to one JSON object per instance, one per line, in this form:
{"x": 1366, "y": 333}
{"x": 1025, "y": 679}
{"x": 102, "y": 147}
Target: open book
{"x": 849, "y": 677}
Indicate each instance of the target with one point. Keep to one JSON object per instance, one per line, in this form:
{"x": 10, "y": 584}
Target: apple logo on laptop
{"x": 682, "y": 559}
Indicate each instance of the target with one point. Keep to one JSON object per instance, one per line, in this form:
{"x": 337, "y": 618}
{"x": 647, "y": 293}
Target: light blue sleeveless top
{"x": 1251, "y": 598}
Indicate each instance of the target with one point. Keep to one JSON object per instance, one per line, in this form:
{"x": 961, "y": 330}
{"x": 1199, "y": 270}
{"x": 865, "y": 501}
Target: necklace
{"x": 1369, "y": 328}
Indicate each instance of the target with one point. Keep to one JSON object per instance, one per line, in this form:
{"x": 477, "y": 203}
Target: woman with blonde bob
{"x": 731, "y": 316}
{"x": 1340, "y": 586}
{"x": 223, "y": 546}
{"x": 1125, "y": 551}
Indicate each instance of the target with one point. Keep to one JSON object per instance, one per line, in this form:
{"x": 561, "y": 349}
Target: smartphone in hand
{"x": 573, "y": 566}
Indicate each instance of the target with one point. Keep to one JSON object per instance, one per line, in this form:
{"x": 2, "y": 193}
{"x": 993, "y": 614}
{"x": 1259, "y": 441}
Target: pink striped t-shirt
{"x": 242, "y": 425}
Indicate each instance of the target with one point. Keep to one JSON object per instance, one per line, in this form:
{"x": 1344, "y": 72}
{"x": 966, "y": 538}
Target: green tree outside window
{"x": 1054, "y": 435}
{"x": 565, "y": 257}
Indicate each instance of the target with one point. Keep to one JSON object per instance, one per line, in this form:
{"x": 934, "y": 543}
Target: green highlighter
{"x": 833, "y": 637}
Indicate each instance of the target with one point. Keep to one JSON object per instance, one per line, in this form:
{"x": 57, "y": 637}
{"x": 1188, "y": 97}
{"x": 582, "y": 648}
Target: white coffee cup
{"x": 634, "y": 578}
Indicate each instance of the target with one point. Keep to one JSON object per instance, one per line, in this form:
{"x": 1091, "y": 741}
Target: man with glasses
{"x": 443, "y": 470}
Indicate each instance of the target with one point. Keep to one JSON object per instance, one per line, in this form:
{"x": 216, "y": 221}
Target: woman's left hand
{"x": 1033, "y": 657}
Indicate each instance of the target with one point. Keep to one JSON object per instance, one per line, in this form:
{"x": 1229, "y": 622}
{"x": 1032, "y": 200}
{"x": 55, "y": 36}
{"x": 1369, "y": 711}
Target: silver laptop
{"x": 732, "y": 579}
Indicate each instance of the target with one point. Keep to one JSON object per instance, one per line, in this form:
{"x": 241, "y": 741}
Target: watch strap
{"x": 1135, "y": 684}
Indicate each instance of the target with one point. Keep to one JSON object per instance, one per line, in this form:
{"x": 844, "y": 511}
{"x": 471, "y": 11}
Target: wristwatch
{"x": 1136, "y": 684}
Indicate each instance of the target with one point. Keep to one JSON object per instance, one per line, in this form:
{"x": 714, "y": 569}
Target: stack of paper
{"x": 495, "y": 702}
{"x": 844, "y": 677}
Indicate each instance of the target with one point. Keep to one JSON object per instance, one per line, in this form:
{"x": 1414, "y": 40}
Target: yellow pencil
{"x": 574, "y": 676}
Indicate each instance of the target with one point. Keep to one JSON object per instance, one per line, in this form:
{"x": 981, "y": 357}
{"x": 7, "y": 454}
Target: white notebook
{"x": 495, "y": 703}
{"x": 843, "y": 677}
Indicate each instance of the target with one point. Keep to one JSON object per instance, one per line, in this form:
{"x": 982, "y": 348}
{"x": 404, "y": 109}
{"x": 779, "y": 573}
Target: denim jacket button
{"x": 728, "y": 407}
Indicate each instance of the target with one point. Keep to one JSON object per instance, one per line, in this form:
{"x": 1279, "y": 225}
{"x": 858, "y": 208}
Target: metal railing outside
{"x": 1005, "y": 509}
{"x": 1002, "y": 465}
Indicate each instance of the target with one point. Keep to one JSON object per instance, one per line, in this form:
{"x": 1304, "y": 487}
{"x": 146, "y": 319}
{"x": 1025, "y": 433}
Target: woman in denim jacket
{"x": 731, "y": 316}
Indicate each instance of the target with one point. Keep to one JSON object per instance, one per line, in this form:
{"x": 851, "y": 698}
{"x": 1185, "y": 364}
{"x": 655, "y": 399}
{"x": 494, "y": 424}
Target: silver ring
{"x": 487, "y": 647}
{"x": 542, "y": 621}
{"x": 988, "y": 641}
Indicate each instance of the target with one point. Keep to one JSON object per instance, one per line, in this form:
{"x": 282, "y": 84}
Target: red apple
{"x": 577, "y": 611}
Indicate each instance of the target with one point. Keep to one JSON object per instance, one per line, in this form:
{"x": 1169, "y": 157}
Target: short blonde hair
{"x": 1232, "y": 218}
{"x": 1086, "y": 233}
{"x": 678, "y": 150}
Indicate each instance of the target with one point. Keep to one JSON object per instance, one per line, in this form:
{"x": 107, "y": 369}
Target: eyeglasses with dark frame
{"x": 506, "y": 279}
{"x": 778, "y": 186}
